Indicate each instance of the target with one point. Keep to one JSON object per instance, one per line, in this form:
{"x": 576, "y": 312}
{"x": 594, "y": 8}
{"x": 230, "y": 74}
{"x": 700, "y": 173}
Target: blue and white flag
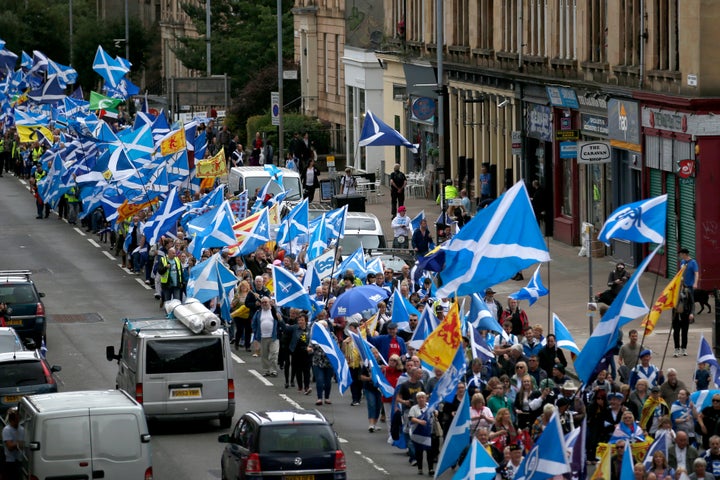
{"x": 661, "y": 444}
{"x": 458, "y": 437}
{"x": 7, "y": 59}
{"x": 323, "y": 265}
{"x": 401, "y": 310}
{"x": 258, "y": 236}
{"x": 311, "y": 280}
{"x": 427, "y": 322}
{"x": 627, "y": 469}
{"x": 415, "y": 222}
{"x": 447, "y": 384}
{"x": 626, "y": 307}
{"x": 578, "y": 453}
{"x": 49, "y": 92}
{"x": 203, "y": 280}
{"x": 545, "y": 459}
{"x": 563, "y": 338}
{"x": 375, "y": 266}
{"x": 320, "y": 336}
{"x": 318, "y": 239}
{"x": 165, "y": 217}
{"x": 480, "y": 316}
{"x": 289, "y": 292}
{"x": 498, "y": 242}
{"x": 640, "y": 222}
{"x": 534, "y": 290}
{"x": 355, "y": 262}
{"x": 295, "y": 224}
{"x": 705, "y": 354}
{"x": 66, "y": 75}
{"x": 219, "y": 233}
{"x": 480, "y": 348}
{"x": 378, "y": 378}
{"x": 335, "y": 223}
{"x": 477, "y": 465}
{"x": 107, "y": 67}
{"x": 377, "y": 133}
{"x": 703, "y": 398}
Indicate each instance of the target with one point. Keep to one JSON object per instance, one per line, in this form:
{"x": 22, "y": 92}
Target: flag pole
{"x": 549, "y": 309}
{"x": 645, "y": 331}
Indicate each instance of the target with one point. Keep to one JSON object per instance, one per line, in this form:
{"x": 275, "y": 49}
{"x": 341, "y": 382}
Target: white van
{"x": 176, "y": 374}
{"x": 91, "y": 434}
{"x": 253, "y": 179}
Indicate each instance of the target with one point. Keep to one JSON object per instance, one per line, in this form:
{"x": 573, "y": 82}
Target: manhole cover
{"x": 75, "y": 318}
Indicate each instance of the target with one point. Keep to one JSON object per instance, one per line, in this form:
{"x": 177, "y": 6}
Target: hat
{"x": 448, "y": 181}
{"x": 562, "y": 402}
{"x": 489, "y": 291}
{"x": 277, "y": 263}
{"x": 547, "y": 383}
{"x": 560, "y": 367}
{"x": 616, "y": 395}
{"x": 645, "y": 352}
{"x": 569, "y": 385}
{"x": 655, "y": 389}
{"x": 402, "y": 208}
{"x": 514, "y": 447}
{"x": 392, "y": 325}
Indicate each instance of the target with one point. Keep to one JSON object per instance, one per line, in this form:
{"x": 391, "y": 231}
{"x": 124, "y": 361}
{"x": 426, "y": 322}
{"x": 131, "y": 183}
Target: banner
{"x": 211, "y": 167}
{"x": 639, "y": 449}
{"x": 174, "y": 142}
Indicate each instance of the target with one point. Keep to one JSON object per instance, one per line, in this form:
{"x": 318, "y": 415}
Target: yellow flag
{"x": 603, "y": 468}
{"x": 274, "y": 214}
{"x": 440, "y": 347}
{"x": 668, "y": 299}
{"x": 207, "y": 183}
{"x": 211, "y": 167}
{"x": 127, "y": 209}
{"x": 173, "y": 143}
{"x": 30, "y": 135}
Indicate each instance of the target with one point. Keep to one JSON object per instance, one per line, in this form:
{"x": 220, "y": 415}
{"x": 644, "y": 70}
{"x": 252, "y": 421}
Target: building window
{"x": 326, "y": 42}
{"x": 567, "y": 183}
{"x": 397, "y": 26}
{"x": 597, "y": 31}
{"x": 510, "y": 25}
{"x": 566, "y": 27}
{"x": 460, "y": 31}
{"x": 666, "y": 35}
{"x": 338, "y": 66}
{"x": 630, "y": 32}
{"x": 485, "y": 17}
{"x": 415, "y": 28}
{"x": 536, "y": 28}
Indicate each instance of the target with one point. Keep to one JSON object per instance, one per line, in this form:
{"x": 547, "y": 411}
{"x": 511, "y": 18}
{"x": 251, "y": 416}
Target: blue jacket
{"x": 294, "y": 332}
{"x": 256, "y": 324}
{"x": 382, "y": 343}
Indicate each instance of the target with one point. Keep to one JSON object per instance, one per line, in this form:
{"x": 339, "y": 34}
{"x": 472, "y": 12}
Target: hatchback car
{"x": 10, "y": 341}
{"x": 25, "y": 307}
{"x": 282, "y": 445}
{"x": 24, "y": 373}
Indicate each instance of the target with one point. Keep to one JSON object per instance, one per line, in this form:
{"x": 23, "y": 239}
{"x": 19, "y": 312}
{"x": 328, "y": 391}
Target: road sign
{"x": 289, "y": 74}
{"x": 593, "y": 152}
{"x": 516, "y": 142}
{"x": 275, "y": 107}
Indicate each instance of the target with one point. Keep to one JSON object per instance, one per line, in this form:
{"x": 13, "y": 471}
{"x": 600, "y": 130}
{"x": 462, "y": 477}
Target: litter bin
{"x": 355, "y": 202}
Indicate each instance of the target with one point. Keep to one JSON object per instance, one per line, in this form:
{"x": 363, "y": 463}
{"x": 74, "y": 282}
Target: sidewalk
{"x": 566, "y": 277}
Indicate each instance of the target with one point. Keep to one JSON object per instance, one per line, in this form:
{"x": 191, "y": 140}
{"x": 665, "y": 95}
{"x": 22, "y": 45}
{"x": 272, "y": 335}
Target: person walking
{"x": 310, "y": 180}
{"x": 421, "y": 240}
{"x": 398, "y": 182}
{"x": 265, "y": 326}
{"x": 401, "y": 229}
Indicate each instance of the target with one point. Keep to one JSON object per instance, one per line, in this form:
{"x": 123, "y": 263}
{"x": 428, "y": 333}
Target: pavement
{"x": 566, "y": 277}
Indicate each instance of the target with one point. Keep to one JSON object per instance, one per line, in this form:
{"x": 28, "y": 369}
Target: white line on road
{"x": 264, "y": 380}
{"x": 342, "y": 440}
{"x": 291, "y": 401}
{"x": 144, "y": 285}
{"x": 372, "y": 463}
{"x": 237, "y": 359}
{"x": 666, "y": 331}
{"x": 109, "y": 255}
{"x": 93, "y": 243}
{"x": 125, "y": 269}
{"x": 80, "y": 231}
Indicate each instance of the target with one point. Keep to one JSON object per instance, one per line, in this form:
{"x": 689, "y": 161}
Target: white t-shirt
{"x": 267, "y": 322}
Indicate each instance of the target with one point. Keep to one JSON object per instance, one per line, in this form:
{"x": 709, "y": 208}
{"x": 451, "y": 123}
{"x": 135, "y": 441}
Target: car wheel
{"x": 225, "y": 421}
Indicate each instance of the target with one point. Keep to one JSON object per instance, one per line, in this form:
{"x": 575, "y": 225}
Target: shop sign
{"x": 562, "y": 97}
{"x": 594, "y": 124}
{"x": 593, "y": 152}
{"x": 539, "y": 122}
{"x": 568, "y": 149}
{"x": 567, "y": 135}
{"x": 624, "y": 121}
{"x": 686, "y": 168}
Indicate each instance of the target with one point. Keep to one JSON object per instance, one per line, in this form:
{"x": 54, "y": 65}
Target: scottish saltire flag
{"x": 354, "y": 262}
{"x": 335, "y": 223}
{"x": 458, "y": 437}
{"x": 627, "y": 469}
{"x": 378, "y": 378}
{"x": 446, "y": 386}
{"x": 375, "y": 266}
{"x": 705, "y": 354}
{"x": 40, "y": 62}
{"x": 295, "y": 223}
{"x": 7, "y": 59}
{"x": 320, "y": 336}
{"x": 479, "y": 347}
{"x": 640, "y": 222}
{"x": 578, "y": 454}
{"x": 415, "y": 222}
{"x": 401, "y": 310}
{"x": 66, "y": 75}
{"x": 534, "y": 290}
{"x": 311, "y": 280}
{"x": 26, "y": 61}
{"x": 218, "y": 234}
{"x": 427, "y": 322}
{"x": 477, "y": 465}
{"x": 480, "y": 317}
{"x": 289, "y": 292}
{"x": 203, "y": 280}
{"x": 563, "y": 338}
{"x": 107, "y": 67}
{"x": 545, "y": 459}
{"x": 376, "y": 133}
{"x": 660, "y": 444}
{"x": 49, "y": 92}
{"x": 626, "y": 307}
{"x": 498, "y": 242}
{"x": 318, "y": 239}
{"x": 165, "y": 217}
{"x": 703, "y": 398}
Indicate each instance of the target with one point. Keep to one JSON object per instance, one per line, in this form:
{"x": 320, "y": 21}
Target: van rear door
{"x": 117, "y": 449}
{"x": 64, "y": 449}
{"x": 188, "y": 375}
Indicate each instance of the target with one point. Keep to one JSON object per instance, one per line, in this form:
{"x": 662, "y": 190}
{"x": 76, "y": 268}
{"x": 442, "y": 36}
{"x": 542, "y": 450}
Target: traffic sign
{"x": 516, "y": 142}
{"x": 275, "y": 107}
{"x": 594, "y": 152}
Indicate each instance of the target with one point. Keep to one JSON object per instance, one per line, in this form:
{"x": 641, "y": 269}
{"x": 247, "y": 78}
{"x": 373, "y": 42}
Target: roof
{"x": 287, "y": 416}
{"x": 19, "y": 355}
{"x": 260, "y": 171}
{"x": 67, "y": 401}
{"x": 15, "y": 276}
{"x": 163, "y": 327}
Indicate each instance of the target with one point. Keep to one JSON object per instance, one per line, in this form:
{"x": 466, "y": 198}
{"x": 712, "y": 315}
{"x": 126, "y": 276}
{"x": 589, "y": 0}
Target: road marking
{"x": 125, "y": 269}
{"x": 237, "y": 359}
{"x": 109, "y": 255}
{"x": 264, "y": 380}
{"x": 144, "y": 285}
{"x": 291, "y": 401}
{"x": 372, "y": 463}
{"x": 80, "y": 231}
{"x": 342, "y": 440}
{"x": 93, "y": 243}
{"x": 667, "y": 331}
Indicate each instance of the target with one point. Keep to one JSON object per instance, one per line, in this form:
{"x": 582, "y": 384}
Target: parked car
{"x": 10, "y": 341}
{"x": 278, "y": 445}
{"x": 25, "y": 307}
{"x": 24, "y": 373}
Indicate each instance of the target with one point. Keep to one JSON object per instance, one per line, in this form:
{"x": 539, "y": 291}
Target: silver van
{"x": 253, "y": 179}
{"x": 89, "y": 434}
{"x": 176, "y": 374}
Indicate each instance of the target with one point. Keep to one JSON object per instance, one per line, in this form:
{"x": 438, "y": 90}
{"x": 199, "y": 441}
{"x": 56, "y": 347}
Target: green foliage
{"x": 317, "y": 131}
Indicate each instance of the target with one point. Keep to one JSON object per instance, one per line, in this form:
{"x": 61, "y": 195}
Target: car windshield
{"x": 21, "y": 373}
{"x": 350, "y": 243}
{"x": 186, "y": 355}
{"x": 359, "y": 223}
{"x": 296, "y": 438}
{"x": 291, "y": 184}
{"x": 17, "y": 293}
{"x": 9, "y": 343}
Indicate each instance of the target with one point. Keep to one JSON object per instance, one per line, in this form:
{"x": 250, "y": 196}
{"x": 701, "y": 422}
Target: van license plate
{"x": 185, "y": 393}
{"x": 13, "y": 323}
{"x": 299, "y": 477}
{"x": 12, "y": 398}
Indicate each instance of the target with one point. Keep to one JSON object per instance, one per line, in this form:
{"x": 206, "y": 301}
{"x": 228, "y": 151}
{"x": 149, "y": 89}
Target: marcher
{"x": 348, "y": 183}
{"x": 310, "y": 178}
{"x": 265, "y": 326}
{"x": 401, "y": 229}
{"x": 421, "y": 240}
{"x": 398, "y": 182}
{"x": 13, "y": 436}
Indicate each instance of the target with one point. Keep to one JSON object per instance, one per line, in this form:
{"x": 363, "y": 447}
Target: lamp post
{"x": 281, "y": 130}
{"x": 207, "y": 38}
{"x": 70, "y": 21}
{"x": 127, "y": 32}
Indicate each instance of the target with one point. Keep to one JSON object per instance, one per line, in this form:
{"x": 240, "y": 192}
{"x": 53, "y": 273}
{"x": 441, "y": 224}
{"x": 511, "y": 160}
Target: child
{"x": 702, "y": 376}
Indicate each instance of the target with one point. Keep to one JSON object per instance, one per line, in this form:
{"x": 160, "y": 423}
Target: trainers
{"x": 371, "y": 429}
{"x": 377, "y": 428}
{"x": 684, "y": 352}
{"x": 354, "y": 404}
{"x": 676, "y": 353}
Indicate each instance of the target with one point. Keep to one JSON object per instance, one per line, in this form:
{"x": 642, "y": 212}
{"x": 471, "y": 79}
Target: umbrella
{"x": 358, "y": 299}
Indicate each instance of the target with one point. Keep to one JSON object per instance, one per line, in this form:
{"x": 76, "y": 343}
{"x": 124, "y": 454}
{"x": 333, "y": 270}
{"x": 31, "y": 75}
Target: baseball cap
{"x": 645, "y": 352}
{"x": 655, "y": 389}
{"x": 402, "y": 208}
{"x": 392, "y": 325}
{"x": 489, "y": 291}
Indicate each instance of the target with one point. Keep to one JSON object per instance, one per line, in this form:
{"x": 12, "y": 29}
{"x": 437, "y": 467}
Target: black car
{"x": 26, "y": 311}
{"x": 24, "y": 373}
{"x": 282, "y": 445}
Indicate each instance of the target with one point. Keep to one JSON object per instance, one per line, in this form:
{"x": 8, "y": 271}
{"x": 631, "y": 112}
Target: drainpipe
{"x": 643, "y": 38}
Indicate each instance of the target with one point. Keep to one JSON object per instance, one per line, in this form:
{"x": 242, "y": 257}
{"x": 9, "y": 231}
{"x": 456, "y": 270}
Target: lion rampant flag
{"x": 668, "y": 299}
{"x": 211, "y": 167}
{"x": 440, "y": 346}
{"x": 173, "y": 142}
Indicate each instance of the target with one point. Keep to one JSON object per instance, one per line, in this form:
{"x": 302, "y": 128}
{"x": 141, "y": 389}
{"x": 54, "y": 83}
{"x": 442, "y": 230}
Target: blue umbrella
{"x": 358, "y": 299}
